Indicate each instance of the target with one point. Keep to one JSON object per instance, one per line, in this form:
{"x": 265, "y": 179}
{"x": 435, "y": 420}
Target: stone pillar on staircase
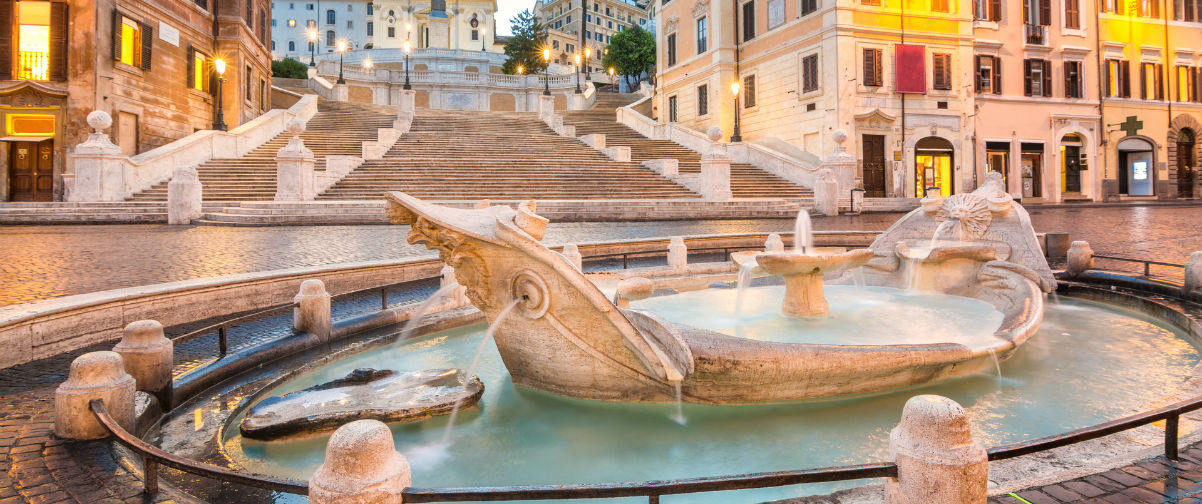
{"x": 842, "y": 164}
{"x": 577, "y": 102}
{"x": 715, "y": 169}
{"x": 407, "y": 101}
{"x": 546, "y": 107}
{"x": 294, "y": 167}
{"x": 99, "y": 171}
{"x": 184, "y": 196}
{"x": 826, "y": 193}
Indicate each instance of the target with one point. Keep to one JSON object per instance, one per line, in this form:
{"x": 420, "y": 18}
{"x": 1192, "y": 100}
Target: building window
{"x": 1187, "y": 84}
{"x": 262, "y": 94}
{"x": 588, "y": 18}
{"x": 989, "y": 75}
{"x": 1072, "y": 14}
{"x": 291, "y": 45}
{"x": 808, "y": 6}
{"x": 809, "y": 73}
{"x": 1186, "y": 10}
{"x": 312, "y": 23}
{"x": 262, "y": 26}
{"x": 1149, "y": 8}
{"x": 1118, "y": 79}
{"x": 348, "y": 8}
{"x": 1037, "y": 77}
{"x": 350, "y": 24}
{"x": 391, "y": 32}
{"x": 291, "y": 23}
{"x": 41, "y": 40}
{"x": 371, "y": 28}
{"x": 131, "y": 44}
{"x": 703, "y": 100}
{"x": 940, "y": 6}
{"x": 671, "y": 49}
{"x": 330, "y": 17}
{"x": 248, "y": 96}
{"x": 371, "y": 8}
{"x": 555, "y": 44}
{"x": 872, "y": 67}
{"x": 330, "y": 38}
{"x": 250, "y": 13}
{"x": 609, "y": 24}
{"x": 273, "y": 22}
{"x": 671, "y": 109}
{"x": 1113, "y": 6}
{"x": 598, "y": 36}
{"x": 749, "y": 20}
{"x": 198, "y": 70}
{"x": 1151, "y": 76}
{"x": 1074, "y": 82}
{"x": 987, "y": 10}
{"x": 941, "y": 71}
{"x": 309, "y": 7}
{"x": 749, "y": 91}
{"x": 1037, "y": 12}
{"x": 475, "y": 34}
{"x": 701, "y": 36}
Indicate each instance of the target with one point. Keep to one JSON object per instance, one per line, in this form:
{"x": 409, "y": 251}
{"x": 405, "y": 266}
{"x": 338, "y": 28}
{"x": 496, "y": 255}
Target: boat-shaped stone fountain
{"x": 566, "y": 337}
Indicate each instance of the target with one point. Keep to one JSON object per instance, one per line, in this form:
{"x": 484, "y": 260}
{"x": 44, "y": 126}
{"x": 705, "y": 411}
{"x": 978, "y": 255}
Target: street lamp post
{"x": 407, "y": 86}
{"x": 612, "y": 84}
{"x": 734, "y": 88}
{"x": 341, "y": 52}
{"x": 367, "y": 64}
{"x": 219, "y": 123}
{"x": 588, "y": 61}
{"x": 312, "y": 47}
{"x": 483, "y": 35}
{"x": 577, "y": 74}
{"x": 546, "y": 72}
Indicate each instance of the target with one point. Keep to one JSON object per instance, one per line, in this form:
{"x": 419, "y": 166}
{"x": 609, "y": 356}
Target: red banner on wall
{"x": 910, "y": 68}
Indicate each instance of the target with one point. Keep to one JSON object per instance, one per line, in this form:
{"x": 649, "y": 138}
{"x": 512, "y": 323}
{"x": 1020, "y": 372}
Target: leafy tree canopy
{"x": 525, "y": 47}
{"x": 631, "y": 52}
{"x": 289, "y": 68}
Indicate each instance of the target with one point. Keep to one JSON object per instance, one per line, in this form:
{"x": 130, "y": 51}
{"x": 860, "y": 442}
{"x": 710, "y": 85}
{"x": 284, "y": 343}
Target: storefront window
{"x": 933, "y": 167}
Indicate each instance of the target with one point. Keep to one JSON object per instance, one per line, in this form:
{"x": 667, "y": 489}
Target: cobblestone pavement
{"x": 42, "y": 262}
{"x": 1153, "y": 481}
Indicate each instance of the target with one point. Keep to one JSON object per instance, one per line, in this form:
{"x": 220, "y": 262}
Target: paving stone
{"x": 1061, "y": 493}
{"x": 1084, "y": 488}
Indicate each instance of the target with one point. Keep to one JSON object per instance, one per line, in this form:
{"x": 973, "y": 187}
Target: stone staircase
{"x": 746, "y": 181}
{"x": 466, "y": 155}
{"x": 338, "y": 128}
{"x": 62, "y": 212}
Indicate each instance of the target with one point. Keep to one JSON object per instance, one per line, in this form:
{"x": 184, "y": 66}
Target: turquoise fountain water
{"x": 521, "y": 436}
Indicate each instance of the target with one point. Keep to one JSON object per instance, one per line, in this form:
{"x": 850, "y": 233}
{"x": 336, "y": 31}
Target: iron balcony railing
{"x": 1036, "y": 34}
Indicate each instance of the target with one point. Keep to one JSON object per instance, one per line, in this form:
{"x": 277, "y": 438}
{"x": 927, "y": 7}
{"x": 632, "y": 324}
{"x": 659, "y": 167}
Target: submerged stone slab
{"x": 383, "y": 395}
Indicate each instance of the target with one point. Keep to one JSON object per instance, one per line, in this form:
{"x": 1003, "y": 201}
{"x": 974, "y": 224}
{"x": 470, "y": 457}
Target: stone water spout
{"x": 803, "y": 274}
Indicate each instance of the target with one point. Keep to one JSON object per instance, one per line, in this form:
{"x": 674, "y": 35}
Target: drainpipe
{"x": 902, "y": 22}
{"x": 1167, "y": 95}
{"x": 738, "y": 75}
{"x": 1103, "y": 133}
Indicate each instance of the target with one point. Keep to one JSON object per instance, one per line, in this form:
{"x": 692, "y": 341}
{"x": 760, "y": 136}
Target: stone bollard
{"x": 826, "y": 193}
{"x": 184, "y": 196}
{"x": 715, "y": 169}
{"x": 94, "y": 375}
{"x": 1080, "y": 258}
{"x": 774, "y": 244}
{"x": 312, "y": 312}
{"x": 294, "y": 167}
{"x": 362, "y": 466}
{"x": 938, "y": 462}
{"x": 99, "y": 165}
{"x": 546, "y": 107}
{"x": 1193, "y": 273}
{"x": 572, "y": 253}
{"x": 148, "y": 357}
{"x": 1056, "y": 245}
{"x": 678, "y": 254}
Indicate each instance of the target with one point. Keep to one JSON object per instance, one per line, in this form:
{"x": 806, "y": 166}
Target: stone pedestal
{"x": 546, "y": 107}
{"x": 678, "y": 254}
{"x": 1056, "y": 245}
{"x": 361, "y": 466}
{"x": 148, "y": 357}
{"x": 715, "y": 169}
{"x": 826, "y": 193}
{"x": 577, "y": 101}
{"x": 294, "y": 167}
{"x": 842, "y": 166}
{"x": 1080, "y": 258}
{"x": 938, "y": 462}
{"x": 572, "y": 253}
{"x": 1193, "y": 273}
{"x": 184, "y": 196}
{"x": 94, "y": 375}
{"x": 99, "y": 165}
{"x": 407, "y": 103}
{"x": 312, "y": 313}
{"x": 340, "y": 93}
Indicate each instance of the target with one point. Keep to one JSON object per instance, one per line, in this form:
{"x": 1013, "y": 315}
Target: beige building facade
{"x": 590, "y": 24}
{"x": 439, "y": 24}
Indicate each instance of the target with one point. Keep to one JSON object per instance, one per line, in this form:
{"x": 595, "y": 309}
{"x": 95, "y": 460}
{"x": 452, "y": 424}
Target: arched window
{"x": 291, "y": 45}
{"x": 330, "y": 17}
{"x": 371, "y": 8}
{"x": 330, "y": 38}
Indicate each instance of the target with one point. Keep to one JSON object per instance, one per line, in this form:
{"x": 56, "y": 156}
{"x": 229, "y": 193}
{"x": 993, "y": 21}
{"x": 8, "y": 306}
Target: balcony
{"x": 1036, "y": 34}
{"x": 33, "y": 65}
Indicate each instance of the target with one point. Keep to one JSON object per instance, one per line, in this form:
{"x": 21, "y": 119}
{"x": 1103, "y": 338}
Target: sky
{"x": 507, "y": 9}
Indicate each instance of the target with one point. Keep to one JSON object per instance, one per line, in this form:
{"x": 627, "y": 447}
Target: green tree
{"x": 525, "y": 47}
{"x": 289, "y": 68}
{"x": 631, "y": 52}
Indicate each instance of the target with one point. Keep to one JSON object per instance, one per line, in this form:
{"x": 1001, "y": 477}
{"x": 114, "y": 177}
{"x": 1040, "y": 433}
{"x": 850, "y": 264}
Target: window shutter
{"x": 6, "y": 39}
{"x": 1125, "y": 75}
{"x": 1160, "y": 81}
{"x": 58, "y": 41}
{"x": 868, "y": 74}
{"x": 1047, "y": 77}
{"x": 1027, "y": 77}
{"x": 878, "y": 68}
{"x": 190, "y": 75}
{"x": 937, "y": 71}
{"x": 1045, "y": 12}
{"x": 997, "y": 75}
{"x": 1072, "y": 13}
{"x": 1027, "y": 9}
{"x": 116, "y": 35}
{"x": 1143, "y": 81}
{"x": 977, "y": 81}
{"x": 996, "y": 10}
{"x": 1198, "y": 84}
{"x": 1068, "y": 81}
{"x": 147, "y": 40}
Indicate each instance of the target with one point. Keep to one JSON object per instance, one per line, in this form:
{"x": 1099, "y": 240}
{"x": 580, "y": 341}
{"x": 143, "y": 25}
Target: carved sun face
{"x": 971, "y": 210}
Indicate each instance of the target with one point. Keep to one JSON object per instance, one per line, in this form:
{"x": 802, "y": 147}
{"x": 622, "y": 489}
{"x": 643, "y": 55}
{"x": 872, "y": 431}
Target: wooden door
{"x": 31, "y": 171}
{"x": 1186, "y": 170}
{"x": 874, "y": 165}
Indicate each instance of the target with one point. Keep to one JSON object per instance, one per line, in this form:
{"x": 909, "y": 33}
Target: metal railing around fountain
{"x": 153, "y": 456}
{"x": 626, "y": 257}
{"x": 1147, "y": 266}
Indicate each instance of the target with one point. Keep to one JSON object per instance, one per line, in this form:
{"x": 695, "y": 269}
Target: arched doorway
{"x": 1187, "y": 167}
{"x": 933, "y": 158}
{"x": 1136, "y": 167}
{"x": 1072, "y": 161}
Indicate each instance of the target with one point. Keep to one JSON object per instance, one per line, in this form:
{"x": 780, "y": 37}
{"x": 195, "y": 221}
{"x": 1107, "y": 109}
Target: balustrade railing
{"x": 33, "y": 65}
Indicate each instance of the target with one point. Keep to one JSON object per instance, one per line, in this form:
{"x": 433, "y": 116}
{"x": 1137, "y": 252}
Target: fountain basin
{"x": 804, "y": 274}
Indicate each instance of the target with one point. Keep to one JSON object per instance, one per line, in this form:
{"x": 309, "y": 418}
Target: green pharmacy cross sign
{"x": 1132, "y": 125}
